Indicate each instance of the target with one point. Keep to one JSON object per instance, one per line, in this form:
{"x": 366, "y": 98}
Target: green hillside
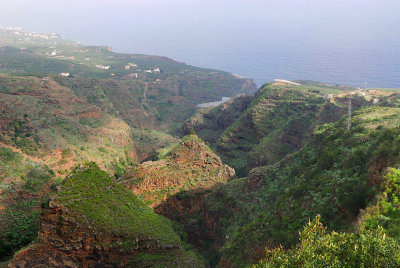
{"x": 335, "y": 174}
{"x": 146, "y": 91}
{"x": 277, "y": 123}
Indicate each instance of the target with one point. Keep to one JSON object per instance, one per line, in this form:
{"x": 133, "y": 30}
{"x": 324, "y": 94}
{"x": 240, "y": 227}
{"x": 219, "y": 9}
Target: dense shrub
{"x": 386, "y": 212}
{"x": 19, "y": 226}
{"x": 317, "y": 248}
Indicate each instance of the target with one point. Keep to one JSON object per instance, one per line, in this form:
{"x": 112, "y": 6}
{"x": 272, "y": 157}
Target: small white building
{"x": 148, "y": 71}
{"x": 156, "y": 70}
{"x": 103, "y": 67}
{"x": 133, "y": 75}
{"x": 127, "y": 67}
{"x": 54, "y": 53}
{"x": 64, "y": 74}
{"x": 132, "y": 64}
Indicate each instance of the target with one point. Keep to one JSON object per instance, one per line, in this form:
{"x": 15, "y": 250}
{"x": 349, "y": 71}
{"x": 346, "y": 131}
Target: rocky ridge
{"x": 278, "y": 122}
{"x": 191, "y": 166}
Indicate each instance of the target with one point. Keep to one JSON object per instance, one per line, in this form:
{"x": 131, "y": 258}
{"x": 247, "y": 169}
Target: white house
{"x": 64, "y": 74}
{"x": 103, "y": 67}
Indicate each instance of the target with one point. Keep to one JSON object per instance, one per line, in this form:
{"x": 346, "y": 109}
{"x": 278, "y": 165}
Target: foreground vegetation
{"x": 20, "y": 200}
{"x": 317, "y": 248}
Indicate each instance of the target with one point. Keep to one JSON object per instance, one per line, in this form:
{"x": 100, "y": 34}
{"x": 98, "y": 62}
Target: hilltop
{"x": 188, "y": 168}
{"x": 92, "y": 221}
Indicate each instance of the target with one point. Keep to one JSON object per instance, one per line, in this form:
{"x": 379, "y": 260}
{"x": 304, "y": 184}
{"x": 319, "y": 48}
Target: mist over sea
{"x": 338, "y": 42}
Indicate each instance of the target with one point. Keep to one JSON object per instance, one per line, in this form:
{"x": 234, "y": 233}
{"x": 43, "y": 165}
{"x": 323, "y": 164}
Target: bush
{"x": 7, "y": 155}
{"x": 103, "y": 150}
{"x": 386, "y": 212}
{"x": 119, "y": 167}
{"x": 36, "y": 179}
{"x": 91, "y": 122}
{"x": 319, "y": 249}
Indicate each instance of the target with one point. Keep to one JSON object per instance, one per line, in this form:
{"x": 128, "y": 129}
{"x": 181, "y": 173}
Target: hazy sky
{"x": 205, "y": 32}
{"x": 106, "y": 21}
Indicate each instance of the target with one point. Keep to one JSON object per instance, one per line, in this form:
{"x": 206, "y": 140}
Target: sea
{"x": 346, "y": 42}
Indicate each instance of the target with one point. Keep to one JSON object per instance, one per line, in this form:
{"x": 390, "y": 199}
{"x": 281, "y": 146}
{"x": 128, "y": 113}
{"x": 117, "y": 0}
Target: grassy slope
{"x": 92, "y": 194}
{"x": 94, "y": 198}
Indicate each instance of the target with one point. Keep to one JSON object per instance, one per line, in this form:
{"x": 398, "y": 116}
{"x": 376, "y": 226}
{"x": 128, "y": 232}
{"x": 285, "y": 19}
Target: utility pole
{"x": 349, "y": 114}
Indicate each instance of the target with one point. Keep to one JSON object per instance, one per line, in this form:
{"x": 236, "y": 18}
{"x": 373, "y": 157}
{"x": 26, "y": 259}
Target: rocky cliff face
{"x": 93, "y": 222}
{"x": 65, "y": 243}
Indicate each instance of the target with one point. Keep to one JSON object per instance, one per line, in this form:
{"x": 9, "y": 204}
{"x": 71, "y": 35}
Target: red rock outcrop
{"x": 190, "y": 167}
